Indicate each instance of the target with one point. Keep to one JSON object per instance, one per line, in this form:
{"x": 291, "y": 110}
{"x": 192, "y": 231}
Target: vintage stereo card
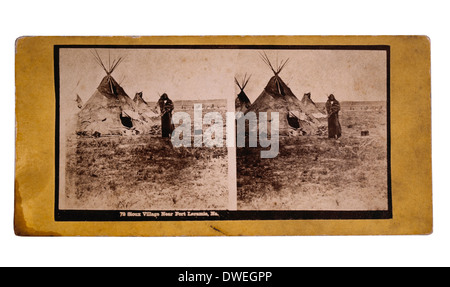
{"x": 226, "y": 135}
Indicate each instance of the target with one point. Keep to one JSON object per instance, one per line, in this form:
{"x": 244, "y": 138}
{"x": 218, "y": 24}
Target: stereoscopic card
{"x": 223, "y": 135}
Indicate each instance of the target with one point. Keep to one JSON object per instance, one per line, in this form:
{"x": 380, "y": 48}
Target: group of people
{"x": 332, "y": 107}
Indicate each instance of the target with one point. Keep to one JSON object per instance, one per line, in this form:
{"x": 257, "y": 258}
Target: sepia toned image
{"x": 324, "y": 146}
{"x": 333, "y": 130}
{"x": 116, "y": 108}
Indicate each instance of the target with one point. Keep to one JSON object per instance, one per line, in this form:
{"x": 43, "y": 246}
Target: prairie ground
{"x": 144, "y": 173}
{"x": 317, "y": 173}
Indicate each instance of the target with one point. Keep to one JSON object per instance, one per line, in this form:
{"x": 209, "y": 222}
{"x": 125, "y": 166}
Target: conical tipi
{"x": 139, "y": 100}
{"x": 109, "y": 111}
{"x": 278, "y": 97}
{"x": 242, "y": 102}
{"x": 144, "y": 108}
{"x": 311, "y": 108}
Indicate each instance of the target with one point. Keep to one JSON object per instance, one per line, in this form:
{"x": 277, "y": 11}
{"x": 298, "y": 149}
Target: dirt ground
{"x": 317, "y": 173}
{"x": 144, "y": 173}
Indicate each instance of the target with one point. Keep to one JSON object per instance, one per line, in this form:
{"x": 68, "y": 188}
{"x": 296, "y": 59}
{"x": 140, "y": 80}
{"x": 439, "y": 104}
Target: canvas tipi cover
{"x": 311, "y": 108}
{"x": 110, "y": 111}
{"x": 144, "y": 108}
{"x": 139, "y": 101}
{"x": 242, "y": 102}
{"x": 278, "y": 97}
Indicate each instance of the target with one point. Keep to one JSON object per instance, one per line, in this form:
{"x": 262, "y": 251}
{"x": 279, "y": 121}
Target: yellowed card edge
{"x": 410, "y": 144}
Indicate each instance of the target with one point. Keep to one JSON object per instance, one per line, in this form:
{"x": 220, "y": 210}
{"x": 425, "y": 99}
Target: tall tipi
{"x": 242, "y": 102}
{"x": 109, "y": 111}
{"x": 278, "y": 97}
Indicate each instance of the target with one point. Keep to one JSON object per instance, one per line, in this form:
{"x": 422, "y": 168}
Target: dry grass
{"x": 144, "y": 173}
{"x": 316, "y": 173}
{"x": 310, "y": 173}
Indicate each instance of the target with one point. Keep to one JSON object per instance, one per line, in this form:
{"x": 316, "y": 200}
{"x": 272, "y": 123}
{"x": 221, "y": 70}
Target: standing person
{"x": 166, "y": 107}
{"x": 334, "y": 127}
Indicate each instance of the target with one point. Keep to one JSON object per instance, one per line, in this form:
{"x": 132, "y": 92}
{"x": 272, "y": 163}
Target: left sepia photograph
{"x": 116, "y": 108}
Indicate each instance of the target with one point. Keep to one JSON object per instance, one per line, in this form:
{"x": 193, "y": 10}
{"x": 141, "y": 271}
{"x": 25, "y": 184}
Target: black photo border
{"x": 221, "y": 215}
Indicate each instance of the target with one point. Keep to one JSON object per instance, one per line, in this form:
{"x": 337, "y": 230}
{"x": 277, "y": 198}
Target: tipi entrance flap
{"x": 130, "y": 114}
{"x": 293, "y": 120}
{"x": 126, "y": 120}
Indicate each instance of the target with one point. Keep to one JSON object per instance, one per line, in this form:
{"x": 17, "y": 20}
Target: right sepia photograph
{"x": 333, "y": 129}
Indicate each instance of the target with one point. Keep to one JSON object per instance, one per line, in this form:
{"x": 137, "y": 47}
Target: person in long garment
{"x": 334, "y": 127}
{"x": 166, "y": 107}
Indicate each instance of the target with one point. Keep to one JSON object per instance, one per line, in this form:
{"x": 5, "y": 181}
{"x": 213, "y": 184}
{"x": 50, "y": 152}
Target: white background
{"x": 19, "y": 18}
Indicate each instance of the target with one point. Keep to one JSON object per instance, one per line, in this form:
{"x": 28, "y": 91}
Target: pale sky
{"x": 351, "y": 75}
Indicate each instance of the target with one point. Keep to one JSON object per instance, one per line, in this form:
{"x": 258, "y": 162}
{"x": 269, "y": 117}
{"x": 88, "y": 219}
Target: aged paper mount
{"x": 213, "y": 136}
